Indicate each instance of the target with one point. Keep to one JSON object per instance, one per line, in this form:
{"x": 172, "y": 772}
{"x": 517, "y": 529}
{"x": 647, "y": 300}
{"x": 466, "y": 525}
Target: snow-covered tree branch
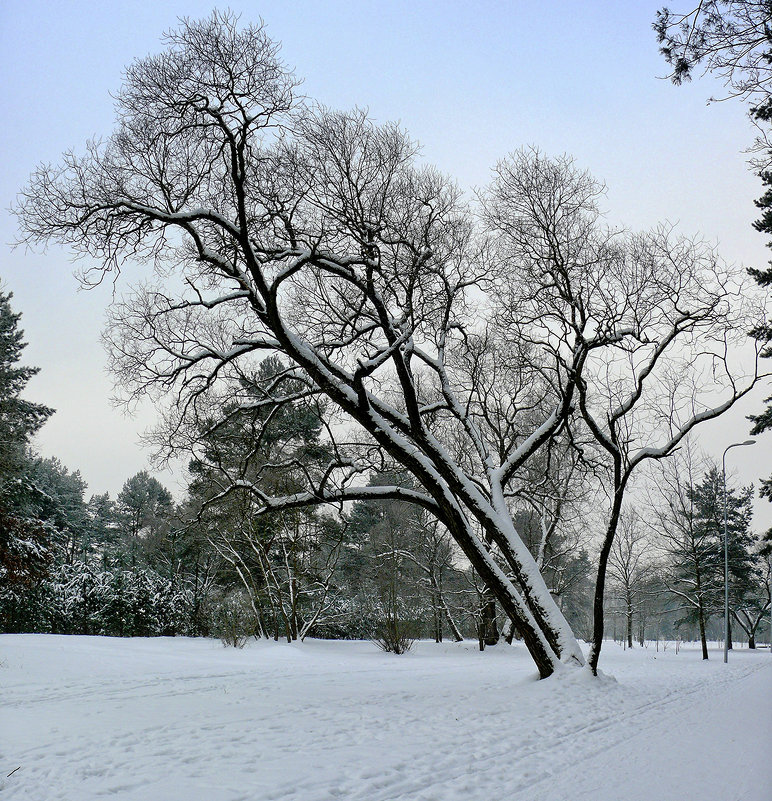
{"x": 452, "y": 338}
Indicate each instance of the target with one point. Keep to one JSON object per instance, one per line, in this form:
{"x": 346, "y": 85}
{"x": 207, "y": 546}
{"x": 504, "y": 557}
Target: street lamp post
{"x": 726, "y": 548}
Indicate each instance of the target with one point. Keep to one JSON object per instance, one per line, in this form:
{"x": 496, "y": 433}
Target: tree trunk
{"x": 535, "y": 613}
{"x": 508, "y": 631}
{"x": 294, "y": 627}
{"x": 525, "y": 597}
{"x": 537, "y": 633}
{"x": 454, "y": 630}
{"x": 488, "y": 618}
{"x": 703, "y": 638}
{"x": 261, "y": 624}
{"x": 600, "y": 581}
{"x": 442, "y": 608}
{"x": 629, "y": 620}
{"x": 436, "y": 617}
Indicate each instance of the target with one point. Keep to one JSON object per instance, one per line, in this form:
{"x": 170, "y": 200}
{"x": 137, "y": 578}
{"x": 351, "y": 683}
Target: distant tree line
{"x": 143, "y": 565}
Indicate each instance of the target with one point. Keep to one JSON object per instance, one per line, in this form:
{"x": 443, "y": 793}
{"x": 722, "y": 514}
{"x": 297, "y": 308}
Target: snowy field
{"x": 165, "y": 719}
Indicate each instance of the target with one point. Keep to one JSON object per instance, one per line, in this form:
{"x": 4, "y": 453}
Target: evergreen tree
{"x": 55, "y": 497}
{"x": 102, "y": 525}
{"x": 142, "y": 510}
{"x": 388, "y": 577}
{"x": 763, "y": 333}
{"x": 24, "y": 540}
{"x": 398, "y": 570}
{"x": 142, "y": 503}
{"x": 732, "y": 39}
{"x": 696, "y": 548}
{"x": 19, "y": 418}
{"x": 708, "y": 499}
{"x": 763, "y": 421}
{"x": 264, "y": 439}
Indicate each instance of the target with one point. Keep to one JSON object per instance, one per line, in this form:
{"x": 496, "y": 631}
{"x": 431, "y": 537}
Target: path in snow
{"x": 165, "y": 719}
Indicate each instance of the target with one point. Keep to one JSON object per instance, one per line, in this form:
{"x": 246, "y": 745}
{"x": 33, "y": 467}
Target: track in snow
{"x": 158, "y": 720}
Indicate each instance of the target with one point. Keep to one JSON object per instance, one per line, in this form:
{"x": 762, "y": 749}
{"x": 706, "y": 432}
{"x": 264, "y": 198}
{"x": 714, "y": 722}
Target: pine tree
{"x": 696, "y": 547}
{"x": 102, "y": 525}
{"x": 55, "y": 496}
{"x": 265, "y": 438}
{"x": 24, "y": 543}
{"x": 763, "y": 422}
{"x": 709, "y": 507}
{"x": 19, "y": 418}
{"x": 142, "y": 509}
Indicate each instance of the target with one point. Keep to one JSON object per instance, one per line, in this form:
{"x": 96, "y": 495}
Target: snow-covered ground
{"x": 165, "y": 719}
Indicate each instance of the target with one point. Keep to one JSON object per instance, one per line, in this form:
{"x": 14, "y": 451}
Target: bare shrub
{"x": 395, "y": 636}
{"x": 233, "y": 619}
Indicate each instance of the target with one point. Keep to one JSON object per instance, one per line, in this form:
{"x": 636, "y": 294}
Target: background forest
{"x": 143, "y": 564}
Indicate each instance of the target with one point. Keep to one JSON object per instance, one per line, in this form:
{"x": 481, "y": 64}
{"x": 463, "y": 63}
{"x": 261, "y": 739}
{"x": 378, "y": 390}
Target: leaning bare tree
{"x": 646, "y": 327}
{"x": 278, "y": 228}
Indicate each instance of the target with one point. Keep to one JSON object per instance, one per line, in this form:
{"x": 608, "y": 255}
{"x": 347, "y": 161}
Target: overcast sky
{"x": 470, "y": 80}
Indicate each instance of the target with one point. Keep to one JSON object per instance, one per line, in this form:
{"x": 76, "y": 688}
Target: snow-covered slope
{"x": 165, "y": 719}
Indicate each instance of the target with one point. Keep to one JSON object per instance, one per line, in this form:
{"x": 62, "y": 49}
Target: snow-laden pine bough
{"x": 455, "y": 339}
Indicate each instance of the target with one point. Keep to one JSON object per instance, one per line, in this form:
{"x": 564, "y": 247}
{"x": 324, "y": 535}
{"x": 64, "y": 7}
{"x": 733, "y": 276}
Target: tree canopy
{"x": 731, "y": 39}
{"x": 458, "y": 339}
